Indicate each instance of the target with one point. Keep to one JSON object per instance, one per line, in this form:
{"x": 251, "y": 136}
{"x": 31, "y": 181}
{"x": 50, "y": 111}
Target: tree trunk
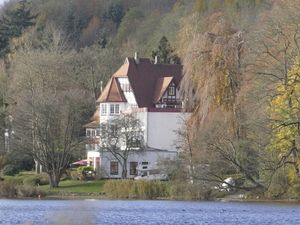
{"x": 54, "y": 179}
{"x": 124, "y": 169}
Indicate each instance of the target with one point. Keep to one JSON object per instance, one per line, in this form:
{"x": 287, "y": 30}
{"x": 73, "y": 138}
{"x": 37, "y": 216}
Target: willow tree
{"x": 213, "y": 68}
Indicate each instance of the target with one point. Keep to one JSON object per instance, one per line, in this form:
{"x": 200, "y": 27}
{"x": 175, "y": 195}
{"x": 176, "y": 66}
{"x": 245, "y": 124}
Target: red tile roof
{"x": 146, "y": 79}
{"x": 160, "y": 87}
{"x": 112, "y": 92}
{"x": 95, "y": 120}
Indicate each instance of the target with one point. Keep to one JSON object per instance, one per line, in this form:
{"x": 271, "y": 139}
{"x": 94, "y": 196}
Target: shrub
{"x": 44, "y": 179}
{"x": 86, "y": 172}
{"x": 25, "y": 191}
{"x": 136, "y": 189}
{"x": 8, "y": 188}
{"x": 10, "y": 170}
{"x": 75, "y": 175}
{"x": 31, "y": 181}
{"x": 188, "y": 191}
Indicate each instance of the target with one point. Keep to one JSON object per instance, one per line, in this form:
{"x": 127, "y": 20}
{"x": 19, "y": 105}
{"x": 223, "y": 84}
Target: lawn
{"x": 75, "y": 186}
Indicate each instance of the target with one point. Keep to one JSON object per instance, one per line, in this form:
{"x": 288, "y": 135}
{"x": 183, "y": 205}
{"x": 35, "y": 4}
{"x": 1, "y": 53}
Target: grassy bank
{"x": 28, "y": 184}
{"x": 75, "y": 187}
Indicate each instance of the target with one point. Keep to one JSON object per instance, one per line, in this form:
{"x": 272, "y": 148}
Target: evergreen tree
{"x": 165, "y": 53}
{"x": 115, "y": 13}
{"x": 13, "y": 23}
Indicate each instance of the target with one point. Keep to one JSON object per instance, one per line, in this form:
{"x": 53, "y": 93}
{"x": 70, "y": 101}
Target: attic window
{"x": 172, "y": 90}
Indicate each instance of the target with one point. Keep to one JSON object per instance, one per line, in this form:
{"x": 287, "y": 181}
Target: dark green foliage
{"x": 165, "y": 53}
{"x": 84, "y": 169}
{"x": 10, "y": 170}
{"x": 115, "y": 13}
{"x": 74, "y": 25}
{"x": 13, "y": 23}
{"x": 20, "y": 160}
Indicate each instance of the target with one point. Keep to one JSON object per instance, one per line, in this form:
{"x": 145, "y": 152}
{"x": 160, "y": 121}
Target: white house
{"x": 151, "y": 91}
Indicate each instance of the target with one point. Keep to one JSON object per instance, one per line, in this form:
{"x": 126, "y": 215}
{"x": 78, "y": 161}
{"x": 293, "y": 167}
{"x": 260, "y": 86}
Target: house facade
{"x": 151, "y": 92}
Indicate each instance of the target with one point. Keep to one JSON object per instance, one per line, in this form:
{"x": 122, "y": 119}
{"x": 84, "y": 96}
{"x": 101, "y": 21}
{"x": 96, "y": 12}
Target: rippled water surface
{"x": 13, "y": 212}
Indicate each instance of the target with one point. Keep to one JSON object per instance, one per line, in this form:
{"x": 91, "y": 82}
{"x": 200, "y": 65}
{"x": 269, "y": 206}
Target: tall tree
{"x": 50, "y": 106}
{"x": 284, "y": 114}
{"x": 13, "y": 23}
{"x": 165, "y": 53}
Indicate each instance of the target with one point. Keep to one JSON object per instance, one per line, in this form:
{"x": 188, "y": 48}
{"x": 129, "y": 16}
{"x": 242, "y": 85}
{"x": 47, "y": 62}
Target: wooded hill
{"x": 241, "y": 67}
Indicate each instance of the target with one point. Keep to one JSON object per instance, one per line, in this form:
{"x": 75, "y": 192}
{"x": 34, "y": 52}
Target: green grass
{"x": 74, "y": 186}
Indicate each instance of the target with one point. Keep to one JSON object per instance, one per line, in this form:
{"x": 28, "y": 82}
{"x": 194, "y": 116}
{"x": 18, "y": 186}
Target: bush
{"x": 36, "y": 180}
{"x": 85, "y": 172}
{"x": 31, "y": 181}
{"x": 8, "y": 188}
{"x": 75, "y": 175}
{"x": 10, "y": 170}
{"x": 188, "y": 191}
{"x": 28, "y": 191}
{"x": 136, "y": 189}
{"x": 44, "y": 179}
{"x": 11, "y": 189}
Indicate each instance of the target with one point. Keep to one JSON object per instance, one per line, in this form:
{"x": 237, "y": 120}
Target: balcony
{"x": 169, "y": 103}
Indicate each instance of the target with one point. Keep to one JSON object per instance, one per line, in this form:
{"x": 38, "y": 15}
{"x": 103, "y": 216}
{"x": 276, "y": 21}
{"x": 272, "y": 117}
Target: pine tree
{"x": 165, "y": 53}
{"x": 13, "y": 23}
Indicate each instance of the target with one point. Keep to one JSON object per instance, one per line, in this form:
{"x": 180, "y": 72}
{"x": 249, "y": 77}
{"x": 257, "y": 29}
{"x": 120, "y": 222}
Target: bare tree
{"x": 120, "y": 136}
{"x": 50, "y": 106}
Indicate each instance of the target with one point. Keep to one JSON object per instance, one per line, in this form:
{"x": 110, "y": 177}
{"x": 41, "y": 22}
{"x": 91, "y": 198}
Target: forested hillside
{"x": 241, "y": 81}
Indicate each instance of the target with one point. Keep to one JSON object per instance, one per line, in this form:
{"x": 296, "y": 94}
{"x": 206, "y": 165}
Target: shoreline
{"x": 103, "y": 197}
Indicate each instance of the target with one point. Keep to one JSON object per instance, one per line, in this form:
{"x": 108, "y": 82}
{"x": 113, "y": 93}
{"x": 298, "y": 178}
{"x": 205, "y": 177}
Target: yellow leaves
{"x": 284, "y": 113}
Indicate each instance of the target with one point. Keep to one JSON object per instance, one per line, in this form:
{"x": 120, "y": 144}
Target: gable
{"x": 161, "y": 87}
{"x": 112, "y": 92}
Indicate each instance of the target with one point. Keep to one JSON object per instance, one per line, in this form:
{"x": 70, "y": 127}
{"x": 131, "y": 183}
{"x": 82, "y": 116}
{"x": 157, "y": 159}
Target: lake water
{"x": 106, "y": 212}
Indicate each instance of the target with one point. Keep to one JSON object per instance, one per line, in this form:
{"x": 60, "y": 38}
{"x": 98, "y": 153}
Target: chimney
{"x": 101, "y": 86}
{"x": 156, "y": 59}
{"x": 136, "y": 58}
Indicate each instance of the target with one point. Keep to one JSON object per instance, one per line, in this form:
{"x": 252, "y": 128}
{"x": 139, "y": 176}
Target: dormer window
{"x": 172, "y": 90}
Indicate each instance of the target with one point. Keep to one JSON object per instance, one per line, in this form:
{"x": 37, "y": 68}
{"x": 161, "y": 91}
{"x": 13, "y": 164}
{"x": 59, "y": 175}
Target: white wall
{"x": 104, "y": 118}
{"x": 152, "y": 157}
{"x": 162, "y": 127}
{"x": 128, "y": 94}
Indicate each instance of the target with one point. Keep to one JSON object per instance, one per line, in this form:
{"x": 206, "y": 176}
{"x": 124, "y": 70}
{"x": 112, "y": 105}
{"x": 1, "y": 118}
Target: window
{"x": 126, "y": 87}
{"x": 88, "y": 132}
{"x": 133, "y": 166}
{"x": 103, "y": 109}
{"x": 97, "y": 132}
{"x": 93, "y": 133}
{"x": 114, "y": 109}
{"x": 145, "y": 165}
{"x": 172, "y": 90}
{"x": 114, "y": 168}
{"x": 117, "y": 109}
